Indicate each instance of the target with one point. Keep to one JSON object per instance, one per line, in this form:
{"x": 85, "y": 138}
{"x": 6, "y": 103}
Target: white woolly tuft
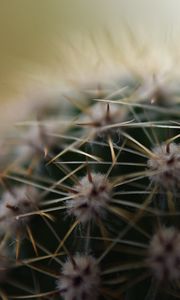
{"x": 158, "y": 89}
{"x": 164, "y": 254}
{"x": 166, "y": 161}
{"x": 18, "y": 201}
{"x": 80, "y": 278}
{"x": 38, "y": 139}
{"x": 91, "y": 198}
{"x": 99, "y": 116}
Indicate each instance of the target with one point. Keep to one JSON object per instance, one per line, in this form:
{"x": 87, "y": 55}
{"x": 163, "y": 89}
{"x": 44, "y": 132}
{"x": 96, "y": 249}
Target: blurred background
{"x": 45, "y": 43}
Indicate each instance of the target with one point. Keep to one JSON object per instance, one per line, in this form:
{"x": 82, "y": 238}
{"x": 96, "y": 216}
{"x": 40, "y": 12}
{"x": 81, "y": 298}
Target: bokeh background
{"x": 45, "y": 42}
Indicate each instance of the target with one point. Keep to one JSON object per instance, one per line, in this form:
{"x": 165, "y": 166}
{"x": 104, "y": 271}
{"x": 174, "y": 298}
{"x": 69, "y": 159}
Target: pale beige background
{"x": 35, "y": 36}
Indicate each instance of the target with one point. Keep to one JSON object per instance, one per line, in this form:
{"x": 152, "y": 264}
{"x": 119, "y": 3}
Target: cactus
{"x": 89, "y": 201}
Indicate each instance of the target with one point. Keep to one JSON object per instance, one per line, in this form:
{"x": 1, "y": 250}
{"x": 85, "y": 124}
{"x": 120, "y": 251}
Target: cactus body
{"x": 90, "y": 206}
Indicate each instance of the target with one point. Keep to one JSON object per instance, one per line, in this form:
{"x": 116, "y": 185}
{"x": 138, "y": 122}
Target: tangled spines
{"x": 164, "y": 254}
{"x": 19, "y": 200}
{"x": 91, "y": 197}
{"x": 166, "y": 164}
{"x": 80, "y": 278}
